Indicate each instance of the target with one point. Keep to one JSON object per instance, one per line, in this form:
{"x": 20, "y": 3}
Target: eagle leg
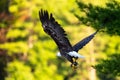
{"x": 74, "y": 65}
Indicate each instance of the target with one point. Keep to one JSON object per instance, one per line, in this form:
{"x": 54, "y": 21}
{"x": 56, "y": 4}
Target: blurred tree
{"x": 30, "y": 54}
{"x": 26, "y": 45}
{"x": 4, "y": 6}
{"x": 107, "y": 18}
{"x": 5, "y": 16}
{"x": 109, "y": 67}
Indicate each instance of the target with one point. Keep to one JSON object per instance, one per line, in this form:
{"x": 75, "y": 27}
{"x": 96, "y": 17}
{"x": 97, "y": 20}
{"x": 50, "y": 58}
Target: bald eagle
{"x": 57, "y": 33}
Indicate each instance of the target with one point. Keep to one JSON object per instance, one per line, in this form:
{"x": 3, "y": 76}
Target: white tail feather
{"x": 75, "y": 54}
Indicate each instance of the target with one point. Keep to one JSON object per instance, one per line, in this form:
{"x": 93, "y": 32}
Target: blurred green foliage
{"x": 109, "y": 67}
{"x": 27, "y": 53}
{"x": 100, "y": 16}
{"x": 104, "y": 16}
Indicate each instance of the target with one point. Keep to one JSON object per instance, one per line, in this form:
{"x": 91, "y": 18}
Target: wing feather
{"x": 83, "y": 42}
{"x": 52, "y": 28}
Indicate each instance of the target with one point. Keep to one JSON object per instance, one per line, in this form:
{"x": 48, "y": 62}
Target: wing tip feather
{"x": 43, "y": 15}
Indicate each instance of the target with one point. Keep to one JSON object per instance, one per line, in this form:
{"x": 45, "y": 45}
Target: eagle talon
{"x": 74, "y": 65}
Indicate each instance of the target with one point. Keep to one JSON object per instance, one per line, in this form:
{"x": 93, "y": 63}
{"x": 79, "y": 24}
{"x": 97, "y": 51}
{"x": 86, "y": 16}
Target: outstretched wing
{"x": 83, "y": 42}
{"x": 52, "y": 28}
